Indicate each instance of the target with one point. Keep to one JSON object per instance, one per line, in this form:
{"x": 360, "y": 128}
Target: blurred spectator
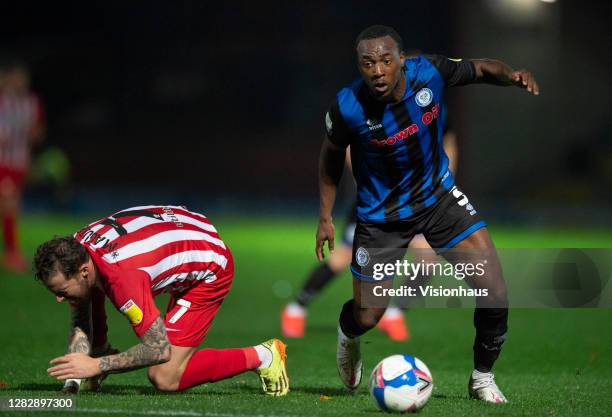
{"x": 21, "y": 125}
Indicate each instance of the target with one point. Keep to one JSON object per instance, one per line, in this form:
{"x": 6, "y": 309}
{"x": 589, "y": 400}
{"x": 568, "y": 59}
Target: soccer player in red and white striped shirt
{"x": 21, "y": 124}
{"x": 130, "y": 257}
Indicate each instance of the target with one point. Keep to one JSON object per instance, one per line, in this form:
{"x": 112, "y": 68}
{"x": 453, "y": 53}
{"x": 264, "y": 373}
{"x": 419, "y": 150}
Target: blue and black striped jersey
{"x": 397, "y": 155}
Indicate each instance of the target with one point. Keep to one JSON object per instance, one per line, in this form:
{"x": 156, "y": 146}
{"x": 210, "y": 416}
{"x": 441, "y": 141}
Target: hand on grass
{"x": 74, "y": 366}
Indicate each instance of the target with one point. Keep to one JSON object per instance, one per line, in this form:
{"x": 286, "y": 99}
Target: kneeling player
{"x": 131, "y": 257}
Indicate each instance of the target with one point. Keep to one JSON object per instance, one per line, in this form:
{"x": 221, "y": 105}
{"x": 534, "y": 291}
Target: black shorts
{"x": 446, "y": 223}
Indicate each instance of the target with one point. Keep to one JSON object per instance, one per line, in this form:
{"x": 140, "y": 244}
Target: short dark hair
{"x": 61, "y": 254}
{"x": 380, "y": 31}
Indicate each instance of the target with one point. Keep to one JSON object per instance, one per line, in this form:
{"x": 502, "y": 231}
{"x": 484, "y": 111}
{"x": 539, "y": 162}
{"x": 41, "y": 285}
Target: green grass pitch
{"x": 555, "y": 363}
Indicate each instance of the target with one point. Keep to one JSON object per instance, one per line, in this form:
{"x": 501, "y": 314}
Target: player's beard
{"x": 85, "y": 296}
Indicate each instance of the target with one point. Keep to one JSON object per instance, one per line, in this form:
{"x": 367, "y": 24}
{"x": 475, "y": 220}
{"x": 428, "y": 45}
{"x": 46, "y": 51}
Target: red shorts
{"x": 15, "y": 176}
{"x": 189, "y": 316}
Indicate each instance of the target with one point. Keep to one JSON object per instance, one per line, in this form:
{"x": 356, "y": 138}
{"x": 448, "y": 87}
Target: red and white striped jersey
{"x": 19, "y": 116}
{"x": 174, "y": 247}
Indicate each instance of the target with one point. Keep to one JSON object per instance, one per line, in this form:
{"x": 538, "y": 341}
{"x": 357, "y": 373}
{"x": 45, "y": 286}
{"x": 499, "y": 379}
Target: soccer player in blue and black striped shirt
{"x": 392, "y": 118}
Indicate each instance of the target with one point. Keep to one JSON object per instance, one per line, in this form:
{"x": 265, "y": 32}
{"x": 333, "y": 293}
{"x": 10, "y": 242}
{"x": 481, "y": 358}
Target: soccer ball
{"x": 401, "y": 383}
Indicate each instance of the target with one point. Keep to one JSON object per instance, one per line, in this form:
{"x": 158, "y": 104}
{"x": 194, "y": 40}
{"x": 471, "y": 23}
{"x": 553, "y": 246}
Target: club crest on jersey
{"x": 132, "y": 312}
{"x": 424, "y": 97}
{"x": 362, "y": 256}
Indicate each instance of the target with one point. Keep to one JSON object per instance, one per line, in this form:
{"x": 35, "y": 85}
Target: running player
{"x": 131, "y": 257}
{"x": 393, "y": 119}
{"x": 392, "y": 323}
{"x": 21, "y": 124}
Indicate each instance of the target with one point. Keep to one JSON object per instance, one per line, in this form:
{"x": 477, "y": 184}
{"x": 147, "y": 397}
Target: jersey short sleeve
{"x": 131, "y": 295}
{"x": 455, "y": 72}
{"x": 335, "y": 126}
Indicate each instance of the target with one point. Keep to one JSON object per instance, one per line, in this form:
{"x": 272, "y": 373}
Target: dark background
{"x": 221, "y": 104}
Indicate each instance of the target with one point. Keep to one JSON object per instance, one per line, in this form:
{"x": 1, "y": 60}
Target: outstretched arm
{"x": 154, "y": 349}
{"x": 495, "y": 72}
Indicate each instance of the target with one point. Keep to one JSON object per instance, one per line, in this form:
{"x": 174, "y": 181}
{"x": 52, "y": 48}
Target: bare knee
{"x": 163, "y": 379}
{"x": 369, "y": 317}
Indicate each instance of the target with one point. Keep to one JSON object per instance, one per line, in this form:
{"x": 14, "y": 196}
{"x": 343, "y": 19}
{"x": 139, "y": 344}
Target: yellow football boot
{"x": 274, "y": 379}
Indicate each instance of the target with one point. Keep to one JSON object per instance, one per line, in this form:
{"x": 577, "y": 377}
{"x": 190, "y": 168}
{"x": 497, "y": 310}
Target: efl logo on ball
{"x": 401, "y": 383}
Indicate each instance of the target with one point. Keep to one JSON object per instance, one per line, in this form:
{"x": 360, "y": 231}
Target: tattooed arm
{"x": 154, "y": 349}
{"x": 79, "y": 339}
{"x": 80, "y": 328}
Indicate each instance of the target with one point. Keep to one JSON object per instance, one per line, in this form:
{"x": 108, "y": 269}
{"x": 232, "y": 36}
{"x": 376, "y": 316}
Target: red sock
{"x": 211, "y": 365}
{"x": 10, "y": 232}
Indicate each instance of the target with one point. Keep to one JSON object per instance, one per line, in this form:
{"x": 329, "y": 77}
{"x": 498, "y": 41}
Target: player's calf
{"x": 166, "y": 380}
{"x": 167, "y": 376}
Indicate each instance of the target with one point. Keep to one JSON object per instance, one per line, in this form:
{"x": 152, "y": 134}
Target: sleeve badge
{"x": 132, "y": 312}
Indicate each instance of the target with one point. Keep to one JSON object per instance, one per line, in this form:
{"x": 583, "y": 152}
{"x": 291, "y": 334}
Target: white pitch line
{"x": 123, "y": 411}
{"x": 154, "y": 413}
{"x": 141, "y": 413}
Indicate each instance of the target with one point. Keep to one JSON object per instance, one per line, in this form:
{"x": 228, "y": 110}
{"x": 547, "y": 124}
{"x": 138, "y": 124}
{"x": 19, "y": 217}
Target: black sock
{"x": 348, "y": 324}
{"x": 491, "y": 327}
{"x": 318, "y": 278}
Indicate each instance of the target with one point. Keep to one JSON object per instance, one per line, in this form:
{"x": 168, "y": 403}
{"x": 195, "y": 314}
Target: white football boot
{"x": 348, "y": 360}
{"x": 482, "y": 386}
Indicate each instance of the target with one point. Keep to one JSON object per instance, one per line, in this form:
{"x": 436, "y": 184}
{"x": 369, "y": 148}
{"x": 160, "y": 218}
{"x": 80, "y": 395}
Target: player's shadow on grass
{"x": 115, "y": 389}
{"x": 106, "y": 388}
{"x": 128, "y": 390}
{"x": 328, "y": 391}
{"x": 55, "y": 387}
{"x": 451, "y": 397}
